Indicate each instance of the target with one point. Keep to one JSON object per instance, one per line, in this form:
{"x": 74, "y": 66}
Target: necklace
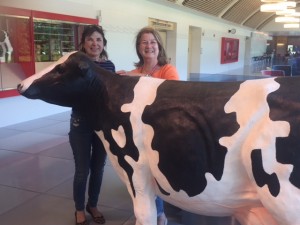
{"x": 151, "y": 72}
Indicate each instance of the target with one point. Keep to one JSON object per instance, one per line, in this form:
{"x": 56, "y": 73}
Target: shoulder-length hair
{"x": 88, "y": 31}
{"x": 162, "y": 56}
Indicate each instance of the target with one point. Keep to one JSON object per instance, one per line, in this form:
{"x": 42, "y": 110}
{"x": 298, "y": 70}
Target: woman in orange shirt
{"x": 153, "y": 62}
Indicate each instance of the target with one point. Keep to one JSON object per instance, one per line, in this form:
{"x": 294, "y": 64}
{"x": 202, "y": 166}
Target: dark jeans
{"x": 90, "y": 157}
{"x": 159, "y": 206}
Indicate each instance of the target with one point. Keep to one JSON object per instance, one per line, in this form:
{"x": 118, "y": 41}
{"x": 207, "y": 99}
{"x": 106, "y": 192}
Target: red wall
{"x": 19, "y": 25}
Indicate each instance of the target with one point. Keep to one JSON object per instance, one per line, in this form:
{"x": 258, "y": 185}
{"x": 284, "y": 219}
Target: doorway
{"x": 194, "y": 52}
{"x": 167, "y": 31}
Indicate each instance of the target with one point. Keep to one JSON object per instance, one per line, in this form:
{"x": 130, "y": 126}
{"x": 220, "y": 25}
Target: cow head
{"x": 65, "y": 83}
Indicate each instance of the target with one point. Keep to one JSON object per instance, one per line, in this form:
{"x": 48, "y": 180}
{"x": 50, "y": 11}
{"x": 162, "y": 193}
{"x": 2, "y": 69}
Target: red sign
{"x": 229, "y": 50}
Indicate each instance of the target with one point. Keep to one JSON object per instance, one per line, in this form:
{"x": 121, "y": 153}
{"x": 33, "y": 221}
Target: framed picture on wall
{"x": 229, "y": 50}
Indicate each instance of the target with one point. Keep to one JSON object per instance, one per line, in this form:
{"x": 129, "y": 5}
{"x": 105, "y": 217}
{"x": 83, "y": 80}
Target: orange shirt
{"x": 168, "y": 72}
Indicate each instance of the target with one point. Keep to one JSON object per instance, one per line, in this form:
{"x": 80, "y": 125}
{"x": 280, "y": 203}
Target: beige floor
{"x": 36, "y": 170}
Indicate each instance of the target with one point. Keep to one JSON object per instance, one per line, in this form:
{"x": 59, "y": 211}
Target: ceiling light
{"x": 279, "y": 6}
{"x": 286, "y": 19}
{"x": 297, "y": 14}
{"x": 272, "y": 7}
{"x": 286, "y": 12}
{"x": 288, "y": 4}
{"x": 291, "y": 25}
{"x": 271, "y": 1}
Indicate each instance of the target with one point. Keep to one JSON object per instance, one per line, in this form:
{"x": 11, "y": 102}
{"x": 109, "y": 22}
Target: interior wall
{"x": 122, "y": 19}
{"x": 248, "y": 46}
{"x": 81, "y": 8}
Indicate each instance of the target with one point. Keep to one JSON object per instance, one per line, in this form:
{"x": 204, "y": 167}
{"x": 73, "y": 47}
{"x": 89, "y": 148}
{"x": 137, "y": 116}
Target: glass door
{"x": 52, "y": 39}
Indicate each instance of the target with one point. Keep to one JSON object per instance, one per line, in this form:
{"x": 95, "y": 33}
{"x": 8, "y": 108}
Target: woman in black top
{"x": 88, "y": 150}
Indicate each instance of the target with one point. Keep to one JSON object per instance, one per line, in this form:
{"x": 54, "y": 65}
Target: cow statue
{"x": 6, "y": 48}
{"x": 215, "y": 149}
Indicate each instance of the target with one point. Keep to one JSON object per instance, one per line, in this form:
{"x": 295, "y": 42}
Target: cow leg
{"x": 144, "y": 187}
{"x": 145, "y": 210}
{"x": 255, "y": 216}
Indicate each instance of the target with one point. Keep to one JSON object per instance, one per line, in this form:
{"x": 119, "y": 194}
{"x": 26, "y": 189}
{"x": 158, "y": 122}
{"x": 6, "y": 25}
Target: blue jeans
{"x": 159, "y": 206}
{"x": 90, "y": 158}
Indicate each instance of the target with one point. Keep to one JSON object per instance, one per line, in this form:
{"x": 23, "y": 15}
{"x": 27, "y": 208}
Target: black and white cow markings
{"x": 284, "y": 105}
{"x": 257, "y": 130}
{"x": 218, "y": 149}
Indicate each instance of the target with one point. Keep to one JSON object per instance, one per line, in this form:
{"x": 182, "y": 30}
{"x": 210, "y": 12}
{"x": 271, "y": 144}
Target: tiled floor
{"x": 36, "y": 173}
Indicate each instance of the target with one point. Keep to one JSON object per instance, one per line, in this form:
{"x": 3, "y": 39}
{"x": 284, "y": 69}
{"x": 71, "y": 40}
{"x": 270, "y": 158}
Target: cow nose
{"x": 19, "y": 88}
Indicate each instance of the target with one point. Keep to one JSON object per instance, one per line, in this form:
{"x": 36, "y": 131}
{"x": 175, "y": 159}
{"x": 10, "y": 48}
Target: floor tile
{"x": 114, "y": 216}
{"x": 113, "y": 191}
{"x": 51, "y": 210}
{"x": 62, "y": 151}
{"x": 64, "y": 116}
{"x": 41, "y": 210}
{"x": 33, "y": 124}
{"x": 12, "y": 197}
{"x": 61, "y": 128}
{"x": 191, "y": 218}
{"x": 4, "y": 133}
{"x": 31, "y": 142}
{"x": 36, "y": 173}
{"x": 63, "y": 190}
{"x": 7, "y": 158}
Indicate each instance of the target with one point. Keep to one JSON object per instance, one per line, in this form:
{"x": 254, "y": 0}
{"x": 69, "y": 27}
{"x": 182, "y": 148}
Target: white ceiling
{"x": 241, "y": 12}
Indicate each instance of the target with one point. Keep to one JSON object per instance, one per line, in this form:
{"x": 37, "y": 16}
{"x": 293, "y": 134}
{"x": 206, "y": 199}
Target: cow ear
{"x": 84, "y": 67}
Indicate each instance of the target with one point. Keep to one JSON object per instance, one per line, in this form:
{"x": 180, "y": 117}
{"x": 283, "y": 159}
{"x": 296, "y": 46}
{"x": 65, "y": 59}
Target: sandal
{"x": 81, "y": 223}
{"x": 96, "y": 219}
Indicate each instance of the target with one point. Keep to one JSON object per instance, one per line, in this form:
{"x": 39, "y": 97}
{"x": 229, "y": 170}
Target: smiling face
{"x": 94, "y": 45}
{"x": 148, "y": 47}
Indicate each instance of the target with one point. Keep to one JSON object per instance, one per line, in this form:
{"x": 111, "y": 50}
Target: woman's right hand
{"x": 129, "y": 73}
{"x": 122, "y": 72}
